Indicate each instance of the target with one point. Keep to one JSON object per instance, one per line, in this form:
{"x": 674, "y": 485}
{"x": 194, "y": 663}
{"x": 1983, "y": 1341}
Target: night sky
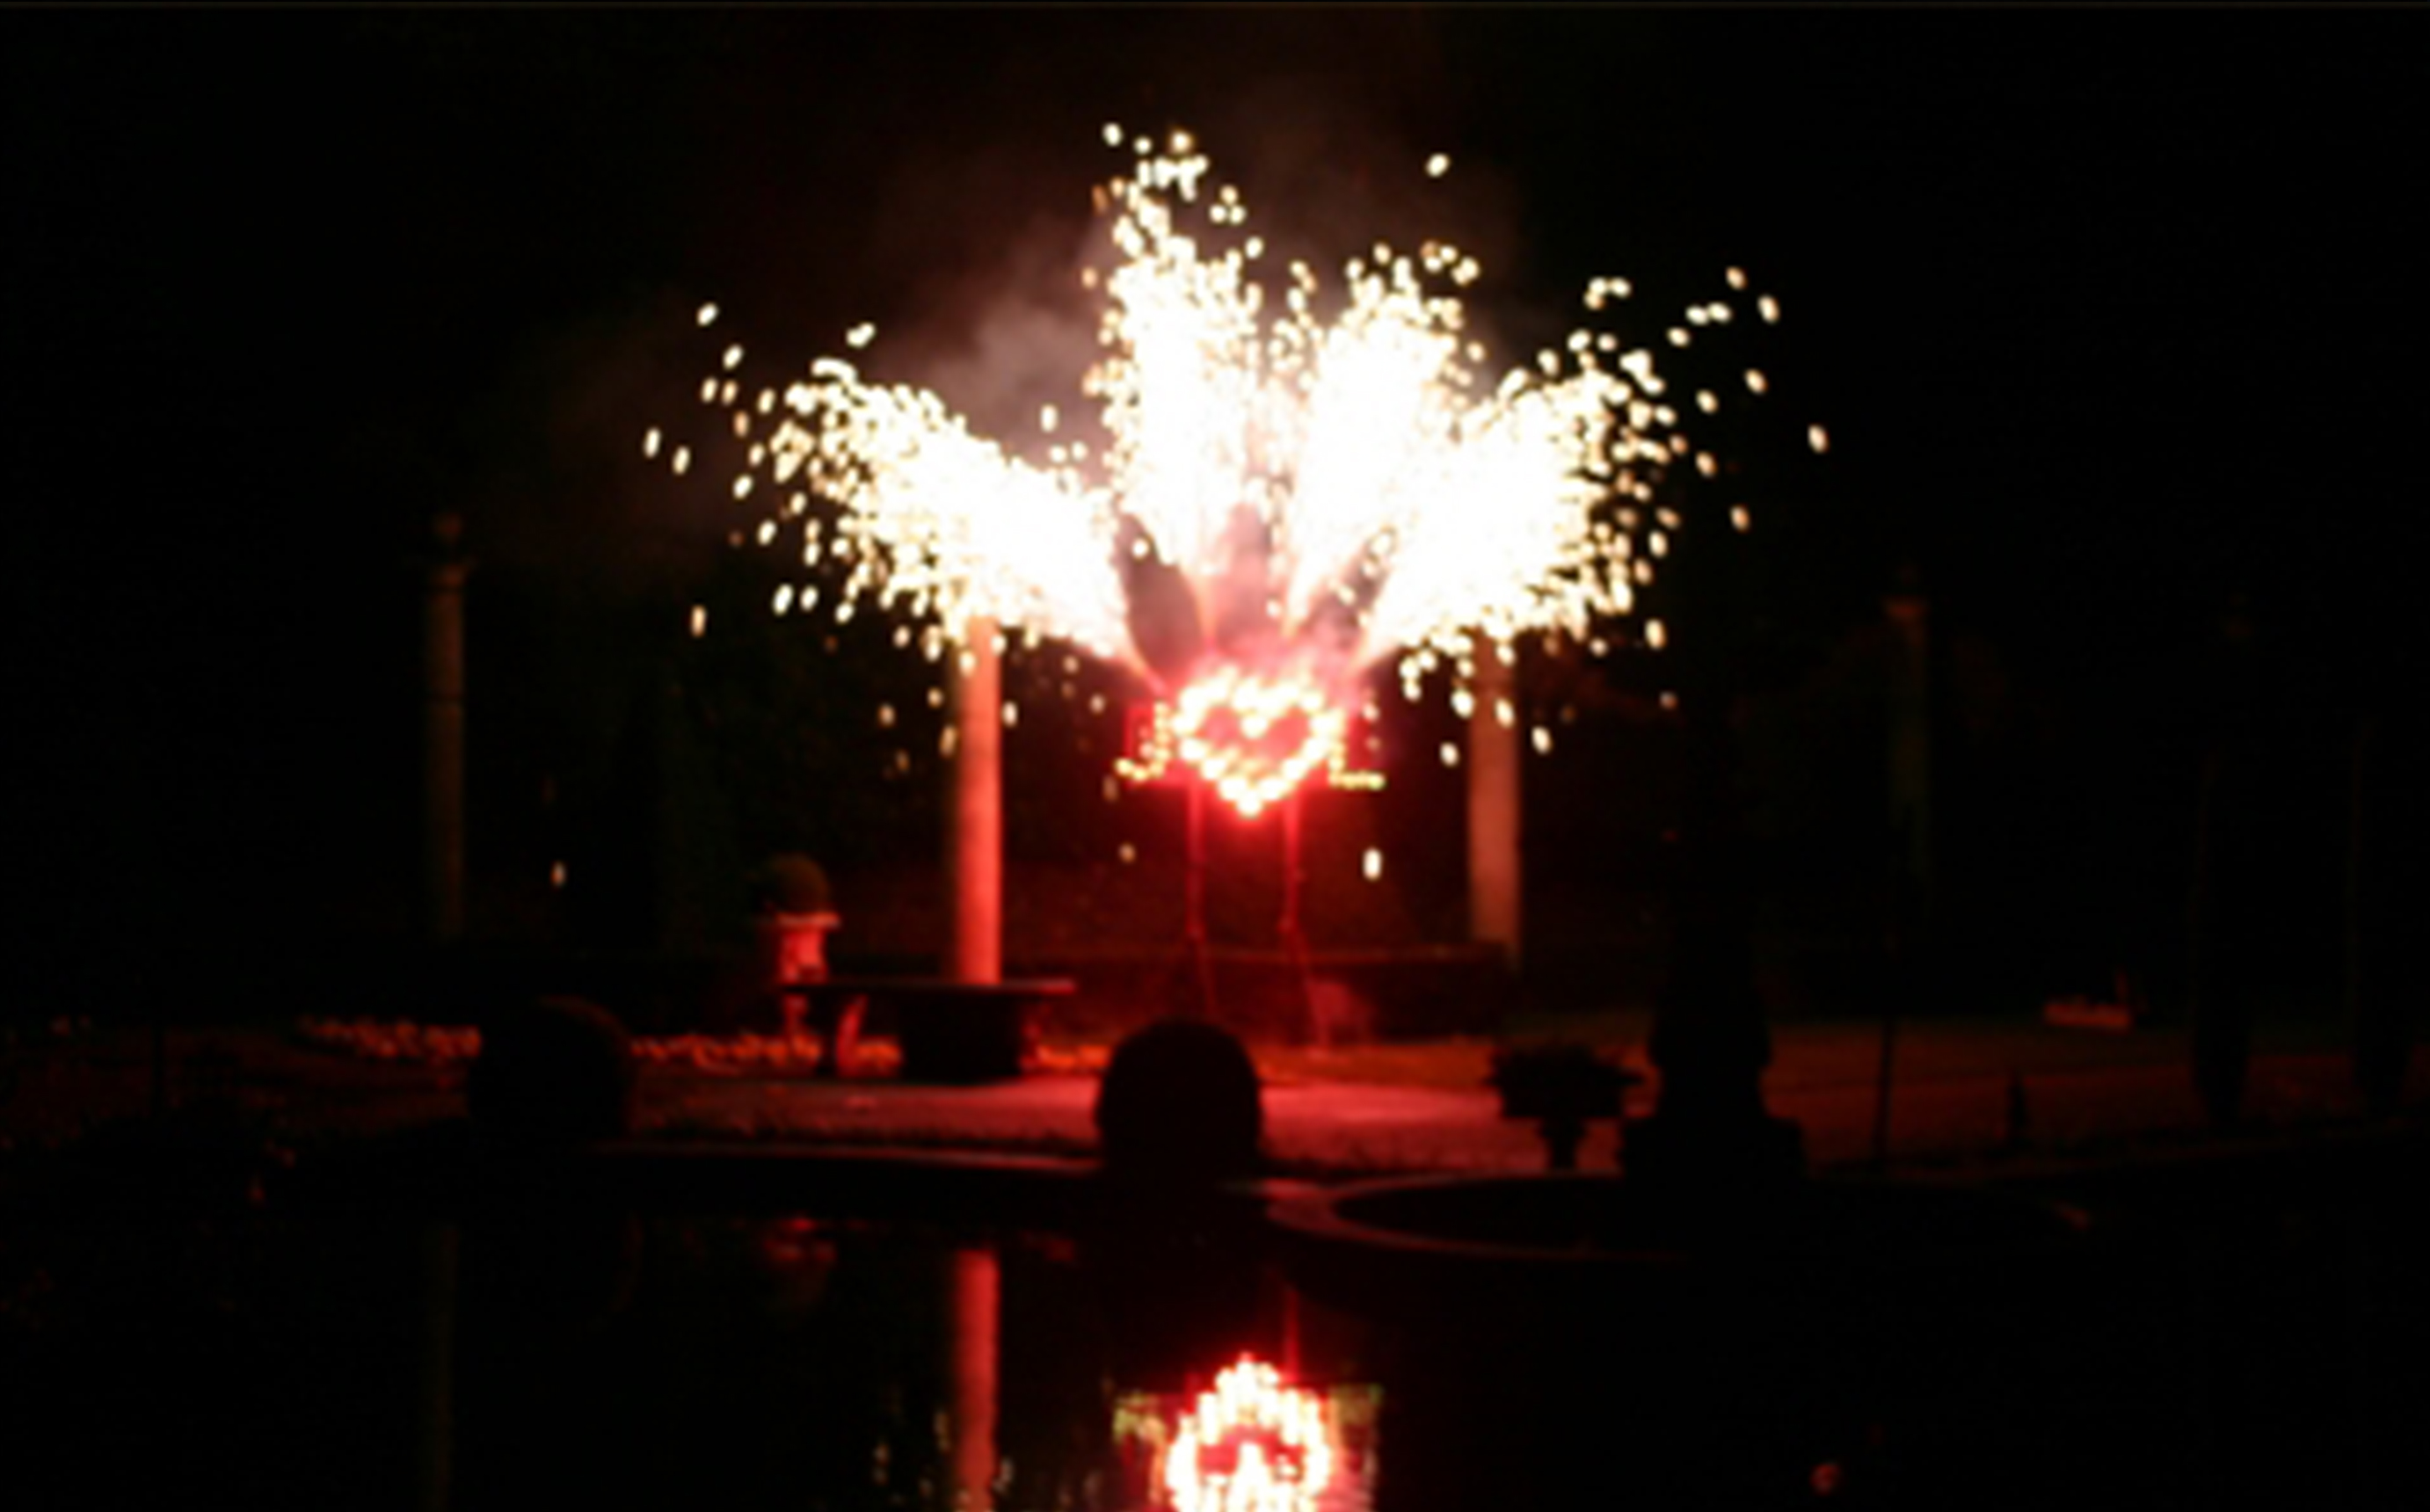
{"x": 2112, "y": 316}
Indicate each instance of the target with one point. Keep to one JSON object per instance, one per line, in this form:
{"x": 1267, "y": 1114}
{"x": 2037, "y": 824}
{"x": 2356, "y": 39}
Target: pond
{"x": 524, "y": 1348}
{"x": 939, "y": 1334}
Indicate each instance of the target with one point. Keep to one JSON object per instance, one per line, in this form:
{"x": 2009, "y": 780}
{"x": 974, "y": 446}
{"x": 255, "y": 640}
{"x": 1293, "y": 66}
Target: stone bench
{"x": 949, "y": 1031}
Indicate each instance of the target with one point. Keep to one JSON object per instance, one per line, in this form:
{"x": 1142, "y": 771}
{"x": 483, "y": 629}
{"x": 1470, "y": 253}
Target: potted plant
{"x": 1561, "y": 1087}
{"x": 797, "y": 914}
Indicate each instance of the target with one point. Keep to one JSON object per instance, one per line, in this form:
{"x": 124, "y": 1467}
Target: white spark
{"x": 1408, "y": 503}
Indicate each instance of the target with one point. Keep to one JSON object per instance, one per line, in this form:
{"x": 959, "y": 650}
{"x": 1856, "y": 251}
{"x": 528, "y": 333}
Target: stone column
{"x": 974, "y": 815}
{"x": 443, "y": 733}
{"x": 1493, "y": 813}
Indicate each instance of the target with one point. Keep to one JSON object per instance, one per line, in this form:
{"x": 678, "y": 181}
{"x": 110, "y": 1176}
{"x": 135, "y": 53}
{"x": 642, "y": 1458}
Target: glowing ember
{"x": 1251, "y": 1444}
{"x": 1271, "y": 501}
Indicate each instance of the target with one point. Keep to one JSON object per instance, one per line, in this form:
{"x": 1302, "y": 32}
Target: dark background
{"x": 2114, "y": 319}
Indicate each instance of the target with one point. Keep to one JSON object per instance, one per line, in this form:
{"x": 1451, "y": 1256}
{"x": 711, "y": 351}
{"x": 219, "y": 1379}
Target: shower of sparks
{"x": 1310, "y": 495}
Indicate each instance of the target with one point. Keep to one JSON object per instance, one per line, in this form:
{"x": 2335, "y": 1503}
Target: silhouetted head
{"x": 554, "y": 1071}
{"x": 1180, "y": 1103}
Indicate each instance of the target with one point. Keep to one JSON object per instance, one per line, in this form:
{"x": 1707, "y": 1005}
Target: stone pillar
{"x": 975, "y": 815}
{"x": 443, "y": 733}
{"x": 1493, "y": 814}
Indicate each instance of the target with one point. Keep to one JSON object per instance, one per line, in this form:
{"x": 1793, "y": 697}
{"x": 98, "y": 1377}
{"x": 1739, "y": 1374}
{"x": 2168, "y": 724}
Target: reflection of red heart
{"x": 1255, "y": 739}
{"x": 1253, "y": 1440}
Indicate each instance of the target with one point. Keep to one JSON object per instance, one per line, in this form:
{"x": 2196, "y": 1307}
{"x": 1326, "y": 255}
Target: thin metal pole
{"x": 2375, "y": 1016}
{"x": 1883, "y": 1069}
{"x": 1910, "y": 871}
{"x": 2357, "y": 775}
{"x": 159, "y": 1056}
{"x": 442, "y": 734}
{"x": 435, "y": 1418}
{"x": 1202, "y": 967}
{"x": 1885, "y": 1066}
{"x": 1294, "y": 938}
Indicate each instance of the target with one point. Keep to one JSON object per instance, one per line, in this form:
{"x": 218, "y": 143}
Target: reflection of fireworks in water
{"x": 1251, "y": 1443}
{"x": 1279, "y": 500}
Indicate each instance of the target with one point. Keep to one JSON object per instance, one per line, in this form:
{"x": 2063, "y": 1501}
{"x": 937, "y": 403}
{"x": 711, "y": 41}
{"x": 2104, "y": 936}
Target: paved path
{"x": 1952, "y": 1105}
{"x": 1938, "y": 1120}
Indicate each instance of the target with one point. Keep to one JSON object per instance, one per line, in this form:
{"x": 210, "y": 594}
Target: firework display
{"x": 1289, "y": 488}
